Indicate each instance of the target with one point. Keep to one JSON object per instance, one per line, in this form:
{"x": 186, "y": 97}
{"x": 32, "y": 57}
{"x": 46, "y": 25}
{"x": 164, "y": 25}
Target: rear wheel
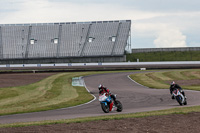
{"x": 105, "y": 108}
{"x": 185, "y": 103}
{"x": 119, "y": 106}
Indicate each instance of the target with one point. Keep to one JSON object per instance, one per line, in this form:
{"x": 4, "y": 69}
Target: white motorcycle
{"x": 179, "y": 97}
{"x": 108, "y": 104}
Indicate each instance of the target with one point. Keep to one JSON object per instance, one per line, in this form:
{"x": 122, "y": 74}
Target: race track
{"x": 134, "y": 97}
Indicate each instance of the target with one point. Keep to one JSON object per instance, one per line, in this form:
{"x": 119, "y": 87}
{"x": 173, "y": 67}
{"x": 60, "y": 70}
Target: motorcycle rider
{"x": 173, "y": 86}
{"x": 103, "y": 89}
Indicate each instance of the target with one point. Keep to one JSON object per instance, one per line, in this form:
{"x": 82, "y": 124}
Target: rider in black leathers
{"x": 173, "y": 86}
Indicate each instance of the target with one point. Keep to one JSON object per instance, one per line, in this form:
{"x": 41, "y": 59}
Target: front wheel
{"x": 105, "y": 108}
{"x": 179, "y": 100}
{"x": 119, "y": 106}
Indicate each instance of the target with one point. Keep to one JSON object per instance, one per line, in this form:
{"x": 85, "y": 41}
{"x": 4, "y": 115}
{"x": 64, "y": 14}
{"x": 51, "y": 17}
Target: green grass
{"x": 165, "y": 56}
{"x": 181, "y": 110}
{"x": 161, "y": 80}
{"x": 50, "y": 93}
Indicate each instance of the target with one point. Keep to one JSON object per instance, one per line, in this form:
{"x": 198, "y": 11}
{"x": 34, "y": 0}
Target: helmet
{"x": 172, "y": 83}
{"x": 100, "y": 86}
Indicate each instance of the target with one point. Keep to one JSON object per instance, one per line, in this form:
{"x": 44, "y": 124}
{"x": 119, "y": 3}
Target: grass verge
{"x": 51, "y": 93}
{"x": 187, "y": 79}
{"x": 164, "y": 56}
{"x": 182, "y": 110}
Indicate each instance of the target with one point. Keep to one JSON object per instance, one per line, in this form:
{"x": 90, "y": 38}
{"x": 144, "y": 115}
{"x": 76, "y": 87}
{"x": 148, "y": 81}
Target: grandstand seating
{"x": 74, "y": 39}
{"x": 122, "y": 38}
{"x": 101, "y": 44}
{"x": 43, "y": 37}
{"x": 14, "y": 41}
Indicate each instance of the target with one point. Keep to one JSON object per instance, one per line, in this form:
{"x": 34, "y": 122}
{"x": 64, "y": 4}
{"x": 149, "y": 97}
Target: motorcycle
{"x": 179, "y": 97}
{"x": 108, "y": 104}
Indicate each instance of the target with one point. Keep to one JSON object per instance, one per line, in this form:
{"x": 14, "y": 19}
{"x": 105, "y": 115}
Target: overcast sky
{"x": 155, "y": 23}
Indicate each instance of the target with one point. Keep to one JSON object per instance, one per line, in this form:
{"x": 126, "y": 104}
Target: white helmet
{"x": 100, "y": 86}
{"x": 172, "y": 83}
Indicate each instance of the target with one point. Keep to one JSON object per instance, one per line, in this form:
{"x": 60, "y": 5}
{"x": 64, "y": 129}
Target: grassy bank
{"x": 184, "y": 110}
{"x": 161, "y": 80}
{"x": 51, "y": 93}
{"x": 165, "y": 56}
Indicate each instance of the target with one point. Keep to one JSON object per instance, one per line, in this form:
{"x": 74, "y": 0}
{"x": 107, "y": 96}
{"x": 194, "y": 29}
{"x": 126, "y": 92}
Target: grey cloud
{"x": 10, "y": 6}
{"x": 145, "y": 5}
{"x": 162, "y": 5}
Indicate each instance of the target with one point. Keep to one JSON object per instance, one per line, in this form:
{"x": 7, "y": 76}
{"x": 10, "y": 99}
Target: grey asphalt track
{"x": 134, "y": 97}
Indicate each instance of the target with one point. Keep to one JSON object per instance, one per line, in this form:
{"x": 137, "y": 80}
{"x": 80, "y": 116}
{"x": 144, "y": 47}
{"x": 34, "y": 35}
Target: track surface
{"x": 134, "y": 97}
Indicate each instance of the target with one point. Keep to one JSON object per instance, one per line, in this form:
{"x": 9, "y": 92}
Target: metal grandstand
{"x": 96, "y": 41}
